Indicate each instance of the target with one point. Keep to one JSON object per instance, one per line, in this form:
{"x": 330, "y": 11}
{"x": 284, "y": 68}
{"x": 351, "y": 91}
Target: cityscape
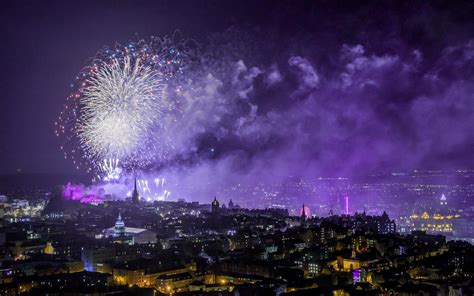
{"x": 237, "y": 148}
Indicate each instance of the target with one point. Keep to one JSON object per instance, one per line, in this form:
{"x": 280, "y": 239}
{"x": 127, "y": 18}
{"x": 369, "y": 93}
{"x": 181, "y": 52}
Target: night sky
{"x": 298, "y": 87}
{"x": 45, "y": 44}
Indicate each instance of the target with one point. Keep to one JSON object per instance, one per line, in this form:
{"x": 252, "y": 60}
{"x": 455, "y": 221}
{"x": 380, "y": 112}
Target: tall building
{"x": 215, "y": 205}
{"x": 135, "y": 195}
{"x": 385, "y": 225}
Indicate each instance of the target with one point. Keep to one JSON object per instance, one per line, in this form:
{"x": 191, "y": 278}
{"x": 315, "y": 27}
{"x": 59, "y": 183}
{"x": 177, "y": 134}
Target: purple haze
{"x": 281, "y": 89}
{"x": 311, "y": 112}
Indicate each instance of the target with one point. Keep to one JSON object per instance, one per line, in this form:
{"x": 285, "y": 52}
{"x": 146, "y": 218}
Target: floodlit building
{"x": 137, "y": 235}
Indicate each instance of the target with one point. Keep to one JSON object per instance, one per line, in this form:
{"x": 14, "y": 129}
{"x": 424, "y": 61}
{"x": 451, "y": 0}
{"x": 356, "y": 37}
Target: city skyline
{"x": 237, "y": 147}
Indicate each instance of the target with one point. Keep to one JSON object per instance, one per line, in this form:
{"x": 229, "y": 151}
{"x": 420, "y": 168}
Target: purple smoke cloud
{"x": 363, "y": 111}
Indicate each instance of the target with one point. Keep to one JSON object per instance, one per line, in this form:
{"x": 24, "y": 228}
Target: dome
{"x": 119, "y": 223}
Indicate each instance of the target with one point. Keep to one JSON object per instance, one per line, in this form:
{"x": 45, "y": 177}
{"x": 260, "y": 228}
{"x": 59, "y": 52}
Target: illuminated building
{"x": 143, "y": 274}
{"x": 313, "y": 268}
{"x": 94, "y": 258}
{"x": 350, "y": 264}
{"x": 439, "y": 220}
{"x": 168, "y": 283}
{"x": 356, "y": 277}
{"x": 385, "y": 225}
{"x": 119, "y": 229}
{"x": 137, "y": 235}
{"x": 49, "y": 250}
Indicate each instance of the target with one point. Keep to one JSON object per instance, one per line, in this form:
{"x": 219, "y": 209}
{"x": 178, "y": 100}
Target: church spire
{"x": 135, "y": 195}
{"x": 303, "y": 213}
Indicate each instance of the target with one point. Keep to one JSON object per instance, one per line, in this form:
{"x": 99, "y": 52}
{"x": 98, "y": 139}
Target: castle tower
{"x": 135, "y": 195}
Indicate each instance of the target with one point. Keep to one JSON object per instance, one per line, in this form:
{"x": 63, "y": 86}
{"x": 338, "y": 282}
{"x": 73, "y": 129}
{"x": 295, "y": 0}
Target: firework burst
{"x": 120, "y": 108}
{"x": 120, "y": 105}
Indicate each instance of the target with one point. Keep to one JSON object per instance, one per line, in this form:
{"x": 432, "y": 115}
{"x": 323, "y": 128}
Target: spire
{"x": 443, "y": 200}
{"x": 135, "y": 195}
{"x": 303, "y": 213}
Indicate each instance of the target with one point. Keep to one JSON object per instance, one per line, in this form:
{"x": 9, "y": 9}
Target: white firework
{"x": 110, "y": 170}
{"x": 154, "y": 190}
{"x": 120, "y": 105}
